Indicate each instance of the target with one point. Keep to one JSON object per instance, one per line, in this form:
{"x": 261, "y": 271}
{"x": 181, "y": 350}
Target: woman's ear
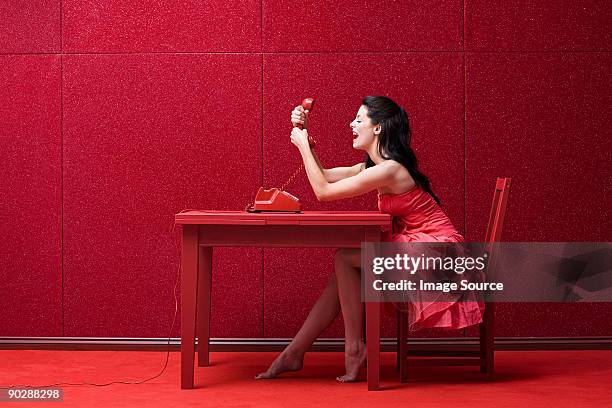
{"x": 377, "y": 130}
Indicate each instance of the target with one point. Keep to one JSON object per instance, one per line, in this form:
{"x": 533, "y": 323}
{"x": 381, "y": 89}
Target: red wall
{"x": 117, "y": 114}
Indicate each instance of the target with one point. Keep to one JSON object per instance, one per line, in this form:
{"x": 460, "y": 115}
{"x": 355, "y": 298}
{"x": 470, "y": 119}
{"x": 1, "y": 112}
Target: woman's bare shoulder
{"x": 392, "y": 164}
{"x": 401, "y": 179}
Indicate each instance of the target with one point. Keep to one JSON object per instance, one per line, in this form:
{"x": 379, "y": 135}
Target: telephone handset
{"x": 307, "y": 104}
{"x": 275, "y": 199}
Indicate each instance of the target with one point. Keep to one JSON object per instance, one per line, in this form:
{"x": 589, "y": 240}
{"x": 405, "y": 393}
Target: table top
{"x": 270, "y": 218}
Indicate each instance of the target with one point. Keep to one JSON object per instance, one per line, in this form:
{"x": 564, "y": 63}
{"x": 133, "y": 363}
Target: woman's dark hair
{"x": 394, "y": 139}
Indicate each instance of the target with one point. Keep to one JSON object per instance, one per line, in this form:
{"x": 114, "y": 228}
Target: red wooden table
{"x": 203, "y": 230}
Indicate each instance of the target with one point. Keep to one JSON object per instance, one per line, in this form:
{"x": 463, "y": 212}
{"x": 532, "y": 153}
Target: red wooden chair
{"x": 484, "y": 356}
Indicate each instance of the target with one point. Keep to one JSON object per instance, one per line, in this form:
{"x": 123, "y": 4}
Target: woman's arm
{"x": 338, "y": 173}
{"x": 298, "y": 116}
{"x": 364, "y": 182}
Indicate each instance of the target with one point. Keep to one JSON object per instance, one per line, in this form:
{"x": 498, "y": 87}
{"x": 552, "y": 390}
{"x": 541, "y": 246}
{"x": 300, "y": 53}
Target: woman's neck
{"x": 374, "y": 154}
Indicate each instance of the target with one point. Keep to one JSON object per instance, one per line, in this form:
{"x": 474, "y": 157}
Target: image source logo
{"x": 499, "y": 272}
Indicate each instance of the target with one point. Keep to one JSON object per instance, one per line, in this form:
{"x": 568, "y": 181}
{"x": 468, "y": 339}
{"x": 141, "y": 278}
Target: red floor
{"x": 530, "y": 379}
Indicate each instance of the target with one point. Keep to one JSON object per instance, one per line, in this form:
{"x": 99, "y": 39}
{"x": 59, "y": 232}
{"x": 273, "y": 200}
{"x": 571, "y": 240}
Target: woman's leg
{"x": 348, "y": 274}
{"x": 322, "y": 314}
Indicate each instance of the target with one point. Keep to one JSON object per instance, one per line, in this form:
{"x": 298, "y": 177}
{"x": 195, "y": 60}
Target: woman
{"x": 381, "y": 129}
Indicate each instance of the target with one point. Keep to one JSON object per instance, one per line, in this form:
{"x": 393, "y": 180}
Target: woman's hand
{"x": 299, "y": 138}
{"x": 298, "y": 116}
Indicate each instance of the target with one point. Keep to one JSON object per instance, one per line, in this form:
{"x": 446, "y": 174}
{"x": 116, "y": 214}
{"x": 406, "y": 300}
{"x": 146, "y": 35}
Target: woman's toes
{"x": 353, "y": 360}
{"x": 283, "y": 363}
{"x": 345, "y": 379}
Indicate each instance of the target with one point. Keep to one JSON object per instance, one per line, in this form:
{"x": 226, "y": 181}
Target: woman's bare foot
{"x": 283, "y": 363}
{"x": 353, "y": 360}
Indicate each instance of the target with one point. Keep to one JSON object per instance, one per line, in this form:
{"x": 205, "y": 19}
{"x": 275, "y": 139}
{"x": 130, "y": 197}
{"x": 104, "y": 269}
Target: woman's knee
{"x": 341, "y": 256}
{"x": 348, "y": 256}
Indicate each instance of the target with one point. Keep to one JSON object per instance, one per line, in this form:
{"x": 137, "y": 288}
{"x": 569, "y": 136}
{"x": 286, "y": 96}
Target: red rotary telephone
{"x": 275, "y": 199}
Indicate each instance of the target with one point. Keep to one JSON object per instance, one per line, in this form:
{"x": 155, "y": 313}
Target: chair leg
{"x": 487, "y": 342}
{"x": 403, "y": 346}
{"x": 398, "y": 357}
{"x": 483, "y": 346}
{"x": 491, "y": 341}
{"x": 363, "y": 331}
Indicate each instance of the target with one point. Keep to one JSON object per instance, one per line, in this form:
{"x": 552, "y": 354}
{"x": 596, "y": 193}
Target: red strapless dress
{"x": 416, "y": 217}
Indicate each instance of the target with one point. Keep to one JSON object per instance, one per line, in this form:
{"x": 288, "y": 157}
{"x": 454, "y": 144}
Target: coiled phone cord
{"x": 295, "y": 173}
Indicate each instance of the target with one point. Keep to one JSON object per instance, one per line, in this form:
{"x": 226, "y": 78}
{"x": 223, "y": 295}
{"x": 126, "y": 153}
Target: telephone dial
{"x": 276, "y": 199}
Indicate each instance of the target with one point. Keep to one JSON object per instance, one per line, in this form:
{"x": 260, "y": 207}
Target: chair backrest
{"x": 498, "y": 210}
{"x": 494, "y": 231}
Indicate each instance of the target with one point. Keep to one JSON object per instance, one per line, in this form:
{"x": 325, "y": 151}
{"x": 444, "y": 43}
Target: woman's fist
{"x": 298, "y": 116}
{"x": 299, "y": 138}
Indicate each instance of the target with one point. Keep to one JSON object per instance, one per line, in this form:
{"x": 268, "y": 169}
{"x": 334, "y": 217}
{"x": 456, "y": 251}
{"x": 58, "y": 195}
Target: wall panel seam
{"x": 314, "y": 52}
{"x": 464, "y": 128}
{"x": 62, "y": 192}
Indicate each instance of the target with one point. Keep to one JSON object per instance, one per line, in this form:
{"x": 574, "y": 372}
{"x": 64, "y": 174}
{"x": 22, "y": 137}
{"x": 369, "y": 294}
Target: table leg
{"x": 373, "y": 325}
{"x": 189, "y": 269}
{"x": 204, "y": 290}
{"x": 373, "y": 344}
{"x": 402, "y": 350}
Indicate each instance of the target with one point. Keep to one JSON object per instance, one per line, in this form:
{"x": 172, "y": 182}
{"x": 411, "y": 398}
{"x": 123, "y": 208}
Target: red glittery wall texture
{"x": 115, "y": 115}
